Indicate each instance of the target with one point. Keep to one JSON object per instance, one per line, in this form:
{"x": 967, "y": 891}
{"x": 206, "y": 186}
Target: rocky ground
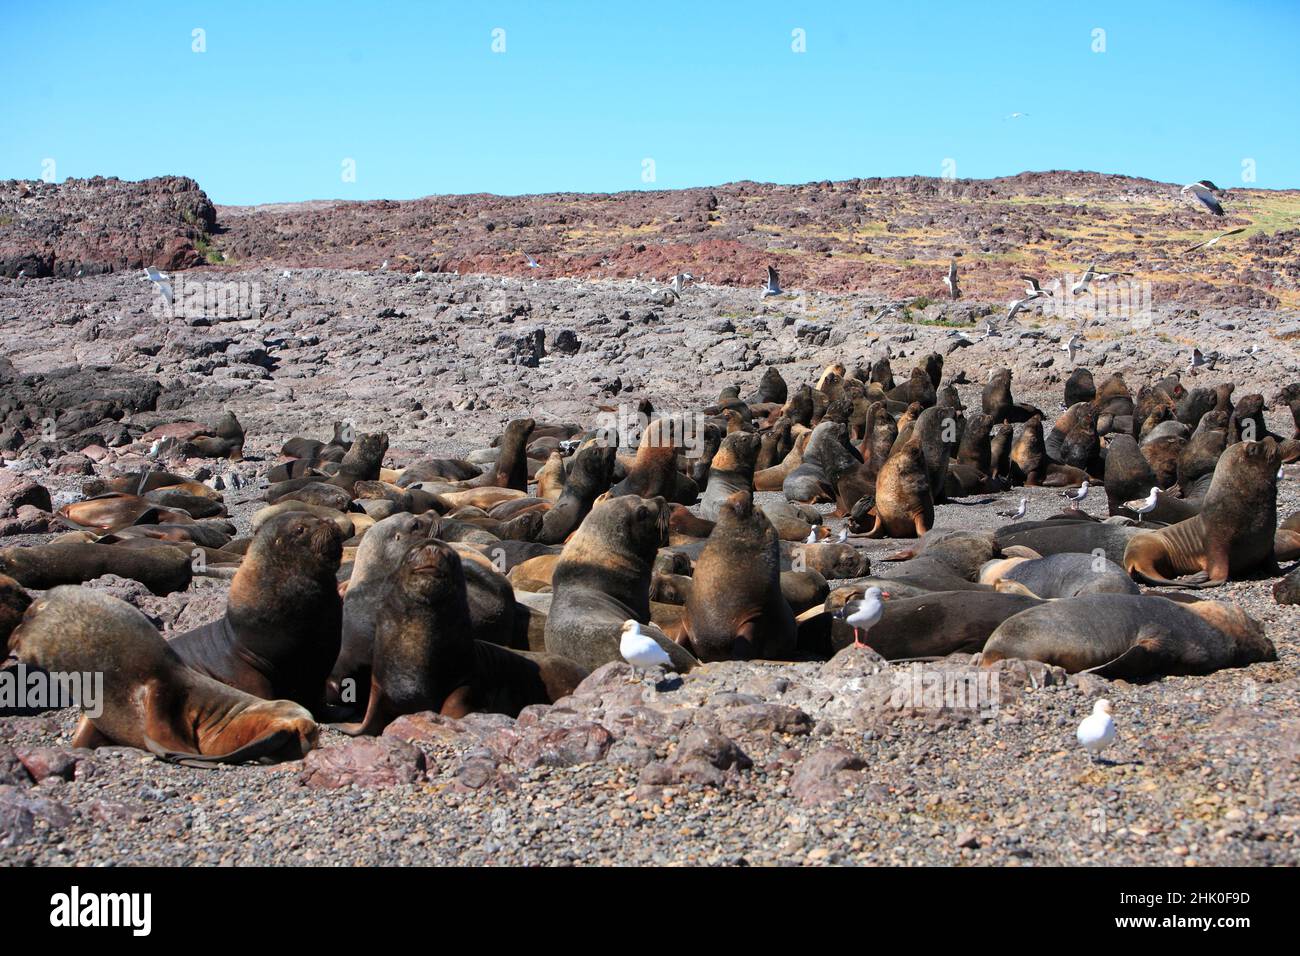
{"x": 755, "y": 763}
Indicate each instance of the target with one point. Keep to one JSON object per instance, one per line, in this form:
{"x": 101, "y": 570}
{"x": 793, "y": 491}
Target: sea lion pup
{"x": 1233, "y": 533}
{"x": 771, "y": 389}
{"x": 281, "y": 632}
{"x": 151, "y": 700}
{"x": 588, "y": 478}
{"x": 1113, "y": 397}
{"x": 1062, "y": 575}
{"x": 937, "y": 623}
{"x": 654, "y": 470}
{"x": 14, "y": 602}
{"x": 1132, "y": 637}
{"x": 226, "y": 441}
{"x": 774, "y": 444}
{"x": 550, "y": 480}
{"x": 426, "y": 658}
{"x": 163, "y": 570}
{"x": 904, "y": 506}
{"x": 773, "y": 479}
{"x": 732, "y": 471}
{"x": 1202, "y": 451}
{"x": 1128, "y": 475}
{"x": 824, "y": 456}
{"x": 377, "y": 558}
{"x": 1068, "y": 534}
{"x": 1073, "y": 439}
{"x": 1289, "y": 396}
{"x": 736, "y": 609}
{"x": 603, "y": 578}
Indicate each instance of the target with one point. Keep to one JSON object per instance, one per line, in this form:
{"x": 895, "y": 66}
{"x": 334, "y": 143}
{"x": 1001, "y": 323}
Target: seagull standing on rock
{"x": 1075, "y": 497}
{"x": 1097, "y": 731}
{"x": 864, "y": 614}
{"x": 1018, "y": 513}
{"x": 641, "y": 650}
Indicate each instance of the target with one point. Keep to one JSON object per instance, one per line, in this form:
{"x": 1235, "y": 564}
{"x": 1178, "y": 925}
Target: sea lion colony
{"x": 501, "y": 580}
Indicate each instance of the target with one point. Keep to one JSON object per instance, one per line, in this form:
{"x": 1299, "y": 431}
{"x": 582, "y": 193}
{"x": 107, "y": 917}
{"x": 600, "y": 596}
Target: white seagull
{"x": 1204, "y": 190}
{"x": 844, "y": 535}
{"x": 1016, "y": 115}
{"x": 1074, "y": 347}
{"x": 1074, "y": 497}
{"x": 950, "y": 280}
{"x": 532, "y": 263}
{"x": 1097, "y": 731}
{"x": 679, "y": 282}
{"x": 1198, "y": 360}
{"x": 641, "y": 650}
{"x": 812, "y": 536}
{"x": 1081, "y": 286}
{"x": 1209, "y": 242}
{"x": 1144, "y": 505}
{"x": 862, "y": 615}
{"x": 159, "y": 279}
{"x": 773, "y": 286}
{"x": 1018, "y": 513}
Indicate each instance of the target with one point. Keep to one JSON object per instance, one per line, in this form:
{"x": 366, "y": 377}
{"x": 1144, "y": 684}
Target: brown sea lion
{"x": 280, "y": 635}
{"x": 936, "y": 624}
{"x": 602, "y": 579}
{"x": 1202, "y": 451}
{"x": 151, "y": 700}
{"x": 732, "y": 470}
{"x": 773, "y": 479}
{"x": 904, "y": 506}
{"x": 1029, "y": 454}
{"x": 1133, "y": 637}
{"x": 1128, "y": 474}
{"x": 1079, "y": 387}
{"x": 1289, "y": 396}
{"x": 14, "y": 602}
{"x": 588, "y": 478}
{"x": 226, "y": 441}
{"x": 654, "y": 471}
{"x": 162, "y": 570}
{"x": 362, "y": 462}
{"x": 1233, "y": 532}
{"x": 425, "y": 657}
{"x": 1064, "y": 575}
{"x": 736, "y": 608}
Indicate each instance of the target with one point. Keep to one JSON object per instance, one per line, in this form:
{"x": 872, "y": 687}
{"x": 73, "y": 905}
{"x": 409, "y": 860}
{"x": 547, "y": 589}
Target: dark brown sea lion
{"x": 425, "y": 657}
{"x": 588, "y": 478}
{"x": 1289, "y": 396}
{"x": 602, "y": 579}
{"x": 151, "y": 700}
{"x": 771, "y": 388}
{"x": 937, "y": 624}
{"x": 1202, "y": 451}
{"x": 1128, "y": 474}
{"x": 1162, "y": 454}
{"x": 904, "y": 506}
{"x": 162, "y": 570}
{"x": 1079, "y": 387}
{"x": 280, "y": 635}
{"x": 362, "y": 462}
{"x": 1063, "y": 536}
{"x": 226, "y": 441}
{"x": 732, "y": 471}
{"x": 14, "y": 602}
{"x": 1029, "y": 454}
{"x": 1233, "y": 533}
{"x": 736, "y": 608}
{"x": 511, "y": 468}
{"x": 1133, "y": 637}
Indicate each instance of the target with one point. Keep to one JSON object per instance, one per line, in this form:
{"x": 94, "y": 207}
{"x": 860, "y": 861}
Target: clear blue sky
{"x": 711, "y": 91}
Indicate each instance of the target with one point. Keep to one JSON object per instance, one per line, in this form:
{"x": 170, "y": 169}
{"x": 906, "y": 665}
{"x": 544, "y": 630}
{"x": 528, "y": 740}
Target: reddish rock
{"x": 367, "y": 762}
{"x": 42, "y": 762}
{"x": 823, "y": 776}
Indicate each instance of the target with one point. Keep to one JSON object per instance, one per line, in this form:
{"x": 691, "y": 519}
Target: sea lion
{"x": 362, "y": 462}
{"x": 14, "y": 602}
{"x": 736, "y": 608}
{"x": 1029, "y": 454}
{"x": 226, "y": 441}
{"x": 732, "y": 471}
{"x": 1202, "y": 451}
{"x": 1064, "y": 575}
{"x": 1133, "y": 637}
{"x": 654, "y": 470}
{"x": 162, "y": 570}
{"x": 1079, "y": 387}
{"x": 1233, "y": 532}
{"x": 588, "y": 478}
{"x": 936, "y": 624}
{"x": 1289, "y": 396}
{"x": 425, "y": 657}
{"x": 280, "y": 635}
{"x": 602, "y": 579}
{"x": 904, "y": 506}
{"x": 771, "y": 389}
{"x": 1065, "y": 535}
{"x": 1073, "y": 439}
{"x": 151, "y": 700}
{"x": 1128, "y": 474}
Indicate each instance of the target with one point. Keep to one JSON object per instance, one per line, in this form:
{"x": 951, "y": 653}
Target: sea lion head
{"x": 1246, "y": 632}
{"x": 738, "y": 452}
{"x": 299, "y": 540}
{"x": 366, "y": 453}
{"x": 14, "y": 602}
{"x": 630, "y": 525}
{"x": 1287, "y": 395}
{"x": 430, "y": 572}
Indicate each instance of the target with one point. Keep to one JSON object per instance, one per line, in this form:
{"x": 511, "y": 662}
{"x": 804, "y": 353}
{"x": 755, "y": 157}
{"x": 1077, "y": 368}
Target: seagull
{"x": 1081, "y": 286}
{"x": 1015, "y": 116}
{"x": 887, "y": 310}
{"x": 640, "y": 650}
{"x": 285, "y": 273}
{"x": 1197, "y": 360}
{"x": 679, "y": 282}
{"x": 1074, "y": 497}
{"x": 1209, "y": 242}
{"x": 862, "y": 615}
{"x": 1018, "y": 513}
{"x": 1032, "y": 289}
{"x": 844, "y": 535}
{"x": 950, "y": 280}
{"x": 384, "y": 264}
{"x": 1144, "y": 505}
{"x": 1204, "y": 190}
{"x": 773, "y": 286}
{"x": 532, "y": 263}
{"x": 1097, "y": 731}
{"x": 1074, "y": 347}
{"x": 1017, "y": 306}
{"x": 569, "y": 446}
{"x": 812, "y": 536}
{"x": 159, "y": 279}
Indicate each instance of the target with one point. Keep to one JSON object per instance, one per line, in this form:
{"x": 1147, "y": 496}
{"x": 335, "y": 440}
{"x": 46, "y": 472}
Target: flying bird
{"x": 1018, "y": 513}
{"x": 532, "y": 263}
{"x": 1204, "y": 190}
{"x": 1032, "y": 289}
{"x": 1199, "y": 360}
{"x": 1209, "y": 242}
{"x": 679, "y": 282}
{"x": 1015, "y": 116}
{"x": 950, "y": 280}
{"x": 1097, "y": 731}
{"x": 1074, "y": 347}
{"x": 1144, "y": 505}
{"x": 773, "y": 286}
{"x": 641, "y": 650}
{"x": 1074, "y": 497}
{"x": 862, "y": 615}
{"x": 160, "y": 283}
{"x": 1081, "y": 286}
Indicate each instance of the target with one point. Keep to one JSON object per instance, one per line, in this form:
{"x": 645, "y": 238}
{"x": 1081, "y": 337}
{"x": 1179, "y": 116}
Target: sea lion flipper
{"x": 1020, "y": 551}
{"x": 1139, "y": 660}
{"x": 87, "y": 735}
{"x": 253, "y": 750}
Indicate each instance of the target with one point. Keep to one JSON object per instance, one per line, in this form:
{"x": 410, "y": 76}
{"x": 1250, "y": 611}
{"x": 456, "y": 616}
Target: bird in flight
{"x": 773, "y": 286}
{"x": 1015, "y": 116}
{"x": 679, "y": 281}
{"x": 159, "y": 280}
{"x": 1074, "y": 347}
{"x": 950, "y": 280}
{"x": 532, "y": 263}
{"x": 1209, "y": 242}
{"x": 1204, "y": 190}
